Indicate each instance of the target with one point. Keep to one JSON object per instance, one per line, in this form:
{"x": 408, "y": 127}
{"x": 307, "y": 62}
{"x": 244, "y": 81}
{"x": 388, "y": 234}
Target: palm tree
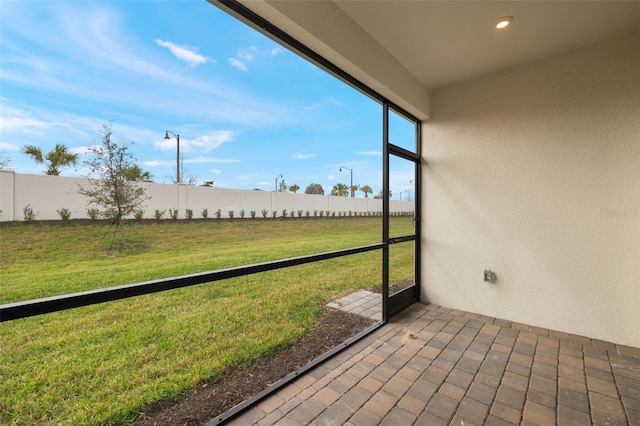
{"x": 60, "y": 156}
{"x": 367, "y": 190}
{"x": 340, "y": 190}
{"x": 136, "y": 174}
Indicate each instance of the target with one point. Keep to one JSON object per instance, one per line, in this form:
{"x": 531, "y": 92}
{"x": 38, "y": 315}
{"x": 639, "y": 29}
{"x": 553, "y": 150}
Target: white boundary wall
{"x": 47, "y": 194}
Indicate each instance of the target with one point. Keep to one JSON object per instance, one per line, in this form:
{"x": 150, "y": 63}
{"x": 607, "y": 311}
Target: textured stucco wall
{"x": 534, "y": 172}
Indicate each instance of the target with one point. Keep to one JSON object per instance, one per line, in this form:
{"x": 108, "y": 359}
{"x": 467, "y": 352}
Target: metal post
{"x": 178, "y": 158}
{"x": 350, "y": 170}
{"x": 166, "y": 136}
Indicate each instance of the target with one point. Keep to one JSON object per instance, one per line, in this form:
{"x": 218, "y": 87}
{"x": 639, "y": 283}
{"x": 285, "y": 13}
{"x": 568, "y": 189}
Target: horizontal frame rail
{"x": 403, "y": 239}
{"x": 28, "y": 308}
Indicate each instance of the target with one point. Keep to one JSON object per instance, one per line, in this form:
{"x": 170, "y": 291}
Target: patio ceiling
{"x": 444, "y": 42}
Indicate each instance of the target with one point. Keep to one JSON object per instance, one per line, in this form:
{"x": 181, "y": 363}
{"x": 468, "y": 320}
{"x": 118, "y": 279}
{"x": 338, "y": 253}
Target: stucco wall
{"x": 534, "y": 173}
{"x": 47, "y": 194}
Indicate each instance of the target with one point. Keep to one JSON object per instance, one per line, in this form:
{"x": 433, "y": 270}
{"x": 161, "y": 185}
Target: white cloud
{"x": 303, "y": 156}
{"x": 264, "y": 183}
{"x": 370, "y": 153}
{"x": 236, "y": 63}
{"x": 215, "y": 171}
{"x": 326, "y": 102}
{"x": 8, "y": 146}
{"x": 331, "y": 177}
{"x": 246, "y": 56}
{"x": 197, "y": 160}
{"x": 204, "y": 160}
{"x": 82, "y": 150}
{"x": 204, "y": 143}
{"x": 184, "y": 53}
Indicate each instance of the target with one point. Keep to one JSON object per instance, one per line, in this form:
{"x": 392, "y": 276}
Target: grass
{"x": 100, "y": 364}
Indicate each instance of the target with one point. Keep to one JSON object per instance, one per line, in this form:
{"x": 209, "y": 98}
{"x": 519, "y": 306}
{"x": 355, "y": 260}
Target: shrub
{"x": 274, "y": 214}
{"x": 65, "y": 214}
{"x": 299, "y": 213}
{"x": 327, "y": 212}
{"x": 350, "y": 212}
{"x": 230, "y": 214}
{"x": 138, "y": 214}
{"x": 292, "y": 214}
{"x": 264, "y": 213}
{"x": 158, "y": 214}
{"x": 284, "y": 212}
{"x": 188, "y": 213}
{"x": 242, "y": 214}
{"x": 333, "y": 214}
{"x": 306, "y": 213}
{"x": 29, "y": 214}
{"x": 218, "y": 214}
{"x": 315, "y": 213}
{"x": 204, "y": 213}
{"x": 252, "y": 213}
{"x": 173, "y": 214}
{"x": 339, "y": 214}
{"x": 321, "y": 213}
{"x": 93, "y": 213}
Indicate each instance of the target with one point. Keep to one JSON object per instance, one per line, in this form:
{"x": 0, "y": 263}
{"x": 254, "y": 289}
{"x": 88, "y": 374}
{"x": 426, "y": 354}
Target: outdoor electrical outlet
{"x": 489, "y": 276}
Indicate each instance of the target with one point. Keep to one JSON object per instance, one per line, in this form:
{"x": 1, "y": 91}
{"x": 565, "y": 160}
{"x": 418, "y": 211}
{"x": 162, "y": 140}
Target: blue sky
{"x": 246, "y": 109}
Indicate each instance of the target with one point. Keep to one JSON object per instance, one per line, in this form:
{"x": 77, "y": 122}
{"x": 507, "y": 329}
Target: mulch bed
{"x": 209, "y": 400}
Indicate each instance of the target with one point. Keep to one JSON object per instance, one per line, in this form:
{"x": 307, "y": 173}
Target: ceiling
{"x": 444, "y": 42}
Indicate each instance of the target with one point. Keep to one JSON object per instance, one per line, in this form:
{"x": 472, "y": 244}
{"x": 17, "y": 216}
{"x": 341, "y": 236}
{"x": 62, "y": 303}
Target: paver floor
{"x": 362, "y": 302}
{"x": 432, "y": 365}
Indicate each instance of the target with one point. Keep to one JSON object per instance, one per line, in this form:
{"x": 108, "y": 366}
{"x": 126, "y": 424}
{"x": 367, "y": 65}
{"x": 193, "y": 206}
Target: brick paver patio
{"x": 436, "y": 366}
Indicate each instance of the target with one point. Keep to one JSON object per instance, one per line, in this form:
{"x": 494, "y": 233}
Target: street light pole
{"x": 351, "y": 170}
{"x": 166, "y": 136}
{"x": 281, "y": 177}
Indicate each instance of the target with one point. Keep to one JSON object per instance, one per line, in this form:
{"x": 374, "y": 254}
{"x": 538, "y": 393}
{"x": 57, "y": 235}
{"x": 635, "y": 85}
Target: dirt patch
{"x": 209, "y": 400}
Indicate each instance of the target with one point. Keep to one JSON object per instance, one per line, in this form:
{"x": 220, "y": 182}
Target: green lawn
{"x": 100, "y": 364}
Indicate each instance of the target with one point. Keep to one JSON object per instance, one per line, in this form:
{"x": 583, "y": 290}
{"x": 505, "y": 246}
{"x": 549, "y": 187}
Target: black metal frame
{"x": 395, "y": 303}
{"x": 391, "y": 306}
{"x": 17, "y": 310}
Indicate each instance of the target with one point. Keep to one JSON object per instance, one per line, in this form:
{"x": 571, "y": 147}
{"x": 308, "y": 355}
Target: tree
{"x": 314, "y": 188}
{"x": 4, "y": 160}
{"x": 282, "y": 186}
{"x": 367, "y": 190}
{"x": 294, "y": 188}
{"x": 354, "y": 188}
{"x": 185, "y": 177}
{"x": 340, "y": 190}
{"x": 135, "y": 174}
{"x": 109, "y": 188}
{"x": 379, "y": 195}
{"x": 59, "y": 157}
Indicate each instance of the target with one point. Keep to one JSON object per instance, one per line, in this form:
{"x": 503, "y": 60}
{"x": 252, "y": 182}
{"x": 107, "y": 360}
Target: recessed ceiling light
{"x": 503, "y": 22}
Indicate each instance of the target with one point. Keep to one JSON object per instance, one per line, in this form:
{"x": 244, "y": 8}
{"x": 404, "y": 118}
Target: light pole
{"x": 351, "y": 187}
{"x": 166, "y": 136}
{"x": 281, "y": 177}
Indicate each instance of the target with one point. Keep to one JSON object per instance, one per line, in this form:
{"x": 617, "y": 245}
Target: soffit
{"x": 444, "y": 42}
